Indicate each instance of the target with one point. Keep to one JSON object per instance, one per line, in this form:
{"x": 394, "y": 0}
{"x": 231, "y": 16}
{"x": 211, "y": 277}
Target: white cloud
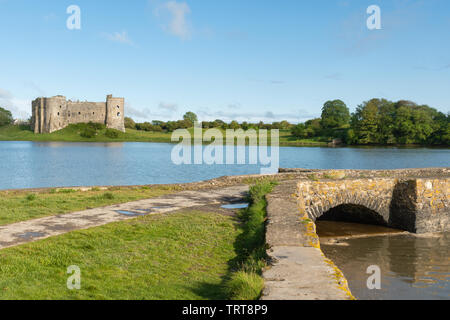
{"x": 5, "y": 94}
{"x": 175, "y": 15}
{"x": 172, "y": 107}
{"x": 120, "y": 37}
{"x": 268, "y": 117}
{"x": 20, "y": 108}
{"x": 166, "y": 112}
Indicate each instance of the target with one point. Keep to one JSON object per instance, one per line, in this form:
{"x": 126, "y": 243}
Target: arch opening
{"x": 353, "y": 213}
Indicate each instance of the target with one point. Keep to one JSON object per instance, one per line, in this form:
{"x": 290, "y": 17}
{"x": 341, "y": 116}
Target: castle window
{"x": 79, "y": 112}
{"x": 58, "y": 113}
{"x": 118, "y": 107}
{"x": 93, "y": 112}
{"x": 118, "y": 114}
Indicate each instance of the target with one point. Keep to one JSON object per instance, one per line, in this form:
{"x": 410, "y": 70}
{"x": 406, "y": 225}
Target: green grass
{"x": 245, "y": 281}
{"x": 23, "y": 205}
{"x": 184, "y": 255}
{"x": 73, "y": 134}
{"x": 180, "y": 256}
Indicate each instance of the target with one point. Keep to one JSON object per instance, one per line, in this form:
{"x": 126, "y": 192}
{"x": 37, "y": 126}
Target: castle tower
{"x": 54, "y": 114}
{"x": 46, "y": 114}
{"x": 115, "y": 110}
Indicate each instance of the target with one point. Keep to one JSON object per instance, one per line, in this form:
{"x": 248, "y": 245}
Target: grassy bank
{"x": 178, "y": 256}
{"x": 245, "y": 281}
{"x": 183, "y": 255}
{"x": 24, "y": 205}
{"x": 73, "y": 134}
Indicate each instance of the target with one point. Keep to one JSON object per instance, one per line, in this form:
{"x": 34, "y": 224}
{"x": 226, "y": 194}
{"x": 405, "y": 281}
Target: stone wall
{"x": 432, "y": 204}
{"x": 56, "y": 113}
{"x": 415, "y": 205}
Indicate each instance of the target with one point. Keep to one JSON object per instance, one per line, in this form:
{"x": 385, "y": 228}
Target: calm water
{"x": 412, "y": 267}
{"x": 51, "y": 164}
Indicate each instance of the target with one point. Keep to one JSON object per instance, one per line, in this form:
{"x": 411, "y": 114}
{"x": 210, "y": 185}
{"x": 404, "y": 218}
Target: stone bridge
{"x": 415, "y": 200}
{"x": 416, "y": 205}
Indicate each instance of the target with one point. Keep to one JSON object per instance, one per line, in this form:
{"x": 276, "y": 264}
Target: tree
{"x": 285, "y": 125}
{"x": 365, "y": 122}
{"x": 234, "y": 125}
{"x": 313, "y": 127}
{"x": 335, "y": 114}
{"x": 190, "y": 116}
{"x": 218, "y": 123}
{"x": 5, "y": 117}
{"x": 129, "y": 123}
{"x": 299, "y": 131}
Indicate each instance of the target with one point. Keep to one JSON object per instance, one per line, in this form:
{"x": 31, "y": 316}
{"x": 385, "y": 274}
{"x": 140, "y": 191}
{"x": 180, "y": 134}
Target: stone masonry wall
{"x": 416, "y": 205}
{"x": 56, "y": 113}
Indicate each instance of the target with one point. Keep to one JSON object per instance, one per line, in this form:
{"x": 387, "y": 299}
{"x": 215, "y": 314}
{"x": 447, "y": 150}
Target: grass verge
{"x": 245, "y": 281}
{"x": 22, "y": 205}
{"x": 183, "y": 255}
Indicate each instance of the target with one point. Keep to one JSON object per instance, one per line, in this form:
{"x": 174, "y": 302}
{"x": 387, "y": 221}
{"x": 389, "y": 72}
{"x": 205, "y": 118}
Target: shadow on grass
{"x": 220, "y": 291}
{"x": 243, "y": 278}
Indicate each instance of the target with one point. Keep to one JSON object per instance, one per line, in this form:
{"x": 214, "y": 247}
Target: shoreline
{"x": 72, "y": 134}
{"x": 283, "y": 174}
{"x": 281, "y": 144}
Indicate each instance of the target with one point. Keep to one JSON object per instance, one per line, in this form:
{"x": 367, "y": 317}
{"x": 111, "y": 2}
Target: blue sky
{"x": 234, "y": 59}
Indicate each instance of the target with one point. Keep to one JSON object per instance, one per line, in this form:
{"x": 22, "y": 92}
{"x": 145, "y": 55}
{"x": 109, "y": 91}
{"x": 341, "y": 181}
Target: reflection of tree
{"x": 419, "y": 262}
{"x": 420, "y": 259}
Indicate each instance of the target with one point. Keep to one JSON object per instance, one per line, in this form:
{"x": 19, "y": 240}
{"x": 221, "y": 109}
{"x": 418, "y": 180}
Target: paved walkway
{"x": 32, "y": 230}
{"x": 299, "y": 270}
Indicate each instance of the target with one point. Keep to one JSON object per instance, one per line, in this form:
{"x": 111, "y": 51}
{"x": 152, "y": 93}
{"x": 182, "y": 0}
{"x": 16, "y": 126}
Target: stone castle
{"x": 56, "y": 113}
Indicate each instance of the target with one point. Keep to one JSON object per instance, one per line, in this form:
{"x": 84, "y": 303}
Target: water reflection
{"x": 413, "y": 267}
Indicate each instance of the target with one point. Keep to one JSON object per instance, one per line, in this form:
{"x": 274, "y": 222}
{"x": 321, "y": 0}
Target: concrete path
{"x": 298, "y": 268}
{"x": 32, "y": 230}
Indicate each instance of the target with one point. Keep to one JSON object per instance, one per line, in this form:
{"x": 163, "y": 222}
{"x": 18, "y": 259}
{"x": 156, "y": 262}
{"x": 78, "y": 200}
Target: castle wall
{"x": 56, "y": 113}
{"x": 115, "y": 109}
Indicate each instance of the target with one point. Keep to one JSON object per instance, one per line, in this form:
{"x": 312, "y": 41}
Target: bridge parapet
{"x": 416, "y": 205}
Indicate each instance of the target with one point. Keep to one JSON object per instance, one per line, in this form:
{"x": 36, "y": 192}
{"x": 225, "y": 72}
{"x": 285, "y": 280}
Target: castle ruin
{"x": 56, "y": 113}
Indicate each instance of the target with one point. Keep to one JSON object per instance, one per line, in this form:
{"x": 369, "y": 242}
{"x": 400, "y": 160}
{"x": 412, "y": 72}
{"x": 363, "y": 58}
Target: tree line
{"x": 379, "y": 122}
{"x": 375, "y": 122}
{"x": 190, "y": 118}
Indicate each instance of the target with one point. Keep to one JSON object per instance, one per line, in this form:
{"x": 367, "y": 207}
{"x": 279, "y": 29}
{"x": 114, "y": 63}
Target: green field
{"x": 72, "y": 134}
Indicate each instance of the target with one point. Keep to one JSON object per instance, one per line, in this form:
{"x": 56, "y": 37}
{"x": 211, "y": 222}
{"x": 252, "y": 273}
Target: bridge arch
{"x": 353, "y": 213}
{"x": 357, "y": 200}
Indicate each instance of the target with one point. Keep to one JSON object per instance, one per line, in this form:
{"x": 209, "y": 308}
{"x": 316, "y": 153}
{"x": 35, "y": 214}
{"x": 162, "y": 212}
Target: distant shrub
{"x": 108, "y": 195}
{"x": 5, "y": 117}
{"x": 31, "y": 197}
{"x": 111, "y": 133}
{"x": 67, "y": 191}
{"x": 88, "y": 132}
{"x": 96, "y": 126}
{"x": 129, "y": 123}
